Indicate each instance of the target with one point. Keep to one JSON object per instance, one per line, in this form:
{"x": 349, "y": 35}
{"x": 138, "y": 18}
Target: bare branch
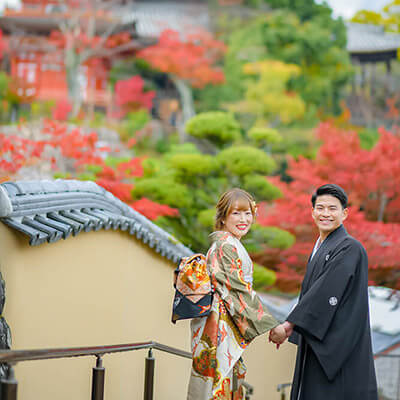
{"x": 100, "y": 45}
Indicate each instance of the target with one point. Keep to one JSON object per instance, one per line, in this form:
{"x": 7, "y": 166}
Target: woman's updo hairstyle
{"x": 227, "y": 201}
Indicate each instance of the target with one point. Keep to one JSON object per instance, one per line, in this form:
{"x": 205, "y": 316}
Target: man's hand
{"x": 280, "y": 333}
{"x": 277, "y": 335}
{"x": 288, "y": 328}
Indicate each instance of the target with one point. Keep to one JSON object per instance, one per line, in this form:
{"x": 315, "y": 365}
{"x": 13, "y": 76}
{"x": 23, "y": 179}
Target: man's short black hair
{"x": 333, "y": 190}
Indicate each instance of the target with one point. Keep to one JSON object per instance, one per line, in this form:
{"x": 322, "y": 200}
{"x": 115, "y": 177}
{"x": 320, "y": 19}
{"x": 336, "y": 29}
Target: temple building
{"x": 37, "y": 50}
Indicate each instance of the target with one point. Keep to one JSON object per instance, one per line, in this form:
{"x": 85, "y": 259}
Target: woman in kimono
{"x": 237, "y": 314}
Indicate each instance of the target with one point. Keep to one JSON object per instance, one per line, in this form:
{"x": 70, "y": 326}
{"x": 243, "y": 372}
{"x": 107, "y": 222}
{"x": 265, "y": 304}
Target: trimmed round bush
{"x": 163, "y": 191}
{"x": 244, "y": 160}
{"x": 259, "y": 186}
{"x": 264, "y": 135}
{"x": 272, "y": 236}
{"x": 263, "y": 277}
{"x": 216, "y": 126}
{"x": 190, "y": 165}
{"x": 206, "y": 218}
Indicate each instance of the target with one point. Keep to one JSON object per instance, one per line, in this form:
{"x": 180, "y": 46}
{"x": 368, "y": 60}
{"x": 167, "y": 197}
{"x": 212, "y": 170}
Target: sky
{"x": 347, "y": 8}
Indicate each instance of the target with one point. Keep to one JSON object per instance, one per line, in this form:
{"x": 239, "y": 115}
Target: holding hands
{"x": 280, "y": 333}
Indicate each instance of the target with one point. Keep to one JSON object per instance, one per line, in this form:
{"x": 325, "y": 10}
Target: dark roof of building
{"x": 47, "y": 211}
{"x": 367, "y": 38}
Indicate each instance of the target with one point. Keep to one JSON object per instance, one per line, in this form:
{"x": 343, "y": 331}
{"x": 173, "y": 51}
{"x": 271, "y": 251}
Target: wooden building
{"x": 36, "y": 55}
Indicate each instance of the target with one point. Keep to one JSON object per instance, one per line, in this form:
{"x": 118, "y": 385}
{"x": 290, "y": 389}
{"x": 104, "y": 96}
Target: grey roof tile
{"x": 366, "y": 38}
{"x": 151, "y": 18}
{"x": 53, "y": 210}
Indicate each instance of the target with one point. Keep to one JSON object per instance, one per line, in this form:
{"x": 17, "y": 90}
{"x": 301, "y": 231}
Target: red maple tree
{"x": 2, "y": 44}
{"x": 190, "y": 62}
{"x": 131, "y": 96}
{"x": 192, "y": 59}
{"x": 372, "y": 181}
{"x": 73, "y": 153}
{"x": 61, "y": 110}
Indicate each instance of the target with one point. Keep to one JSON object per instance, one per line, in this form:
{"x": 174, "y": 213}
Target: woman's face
{"x": 239, "y": 221}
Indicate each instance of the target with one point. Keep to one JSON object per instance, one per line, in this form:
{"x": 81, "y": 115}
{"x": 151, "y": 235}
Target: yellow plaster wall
{"x": 101, "y": 288}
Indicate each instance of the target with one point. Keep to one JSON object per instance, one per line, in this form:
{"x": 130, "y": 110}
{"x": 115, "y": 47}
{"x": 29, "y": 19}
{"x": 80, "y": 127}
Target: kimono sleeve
{"x": 330, "y": 316}
{"x": 246, "y": 309}
{"x": 317, "y": 307}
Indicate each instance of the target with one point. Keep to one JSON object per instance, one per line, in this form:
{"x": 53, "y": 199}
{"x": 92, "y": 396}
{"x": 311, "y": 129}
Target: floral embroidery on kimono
{"x": 237, "y": 317}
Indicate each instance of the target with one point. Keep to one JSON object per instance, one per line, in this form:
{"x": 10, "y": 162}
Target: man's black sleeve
{"x": 331, "y": 314}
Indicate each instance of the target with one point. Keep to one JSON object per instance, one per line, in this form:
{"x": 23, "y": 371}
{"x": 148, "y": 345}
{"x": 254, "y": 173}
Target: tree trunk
{"x": 382, "y": 207}
{"x": 186, "y": 96}
{"x": 72, "y": 66}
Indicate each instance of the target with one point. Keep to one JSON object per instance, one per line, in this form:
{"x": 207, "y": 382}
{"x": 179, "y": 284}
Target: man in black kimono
{"x": 330, "y": 323}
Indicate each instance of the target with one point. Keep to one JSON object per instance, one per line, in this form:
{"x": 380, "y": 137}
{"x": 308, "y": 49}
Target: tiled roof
{"x": 151, "y": 18}
{"x": 47, "y": 211}
{"x": 365, "y": 38}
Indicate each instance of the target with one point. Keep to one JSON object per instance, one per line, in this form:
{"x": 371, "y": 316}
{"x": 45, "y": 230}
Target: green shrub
{"x": 261, "y": 188}
{"x": 243, "y": 160}
{"x": 263, "y": 277}
{"x": 206, "y": 218}
{"x": 217, "y": 126}
{"x": 263, "y": 136}
{"x": 189, "y": 165}
{"x": 162, "y": 191}
{"x": 269, "y": 236}
{"x": 134, "y": 121}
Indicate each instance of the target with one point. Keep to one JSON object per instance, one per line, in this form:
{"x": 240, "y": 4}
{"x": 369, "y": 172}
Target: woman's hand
{"x": 278, "y": 335}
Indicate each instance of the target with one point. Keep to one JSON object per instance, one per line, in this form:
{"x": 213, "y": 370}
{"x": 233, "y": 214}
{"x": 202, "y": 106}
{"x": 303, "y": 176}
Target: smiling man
{"x": 330, "y": 323}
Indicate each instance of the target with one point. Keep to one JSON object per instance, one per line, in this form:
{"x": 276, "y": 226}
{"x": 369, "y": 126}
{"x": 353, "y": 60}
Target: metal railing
{"x": 9, "y": 385}
{"x": 281, "y": 388}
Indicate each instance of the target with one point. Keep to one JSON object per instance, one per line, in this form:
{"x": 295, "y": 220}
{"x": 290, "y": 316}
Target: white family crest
{"x": 333, "y": 301}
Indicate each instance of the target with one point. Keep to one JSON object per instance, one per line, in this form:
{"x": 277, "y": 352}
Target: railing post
{"x": 282, "y": 388}
{"x": 249, "y": 390}
{"x": 98, "y": 380}
{"x": 149, "y": 376}
{"x": 234, "y": 381}
{"x": 9, "y": 385}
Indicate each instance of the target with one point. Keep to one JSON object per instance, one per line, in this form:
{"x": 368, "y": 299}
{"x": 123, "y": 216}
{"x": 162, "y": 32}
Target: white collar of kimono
{"x": 316, "y": 246}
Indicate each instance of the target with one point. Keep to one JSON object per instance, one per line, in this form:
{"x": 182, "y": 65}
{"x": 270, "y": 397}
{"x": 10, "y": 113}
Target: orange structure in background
{"x": 38, "y": 71}
{"x": 43, "y": 77}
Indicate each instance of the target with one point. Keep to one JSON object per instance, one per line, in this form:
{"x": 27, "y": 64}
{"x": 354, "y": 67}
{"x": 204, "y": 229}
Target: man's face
{"x": 328, "y": 213}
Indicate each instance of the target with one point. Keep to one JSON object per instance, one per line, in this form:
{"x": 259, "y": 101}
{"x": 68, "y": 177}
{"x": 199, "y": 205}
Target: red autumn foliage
{"x": 2, "y": 44}
{"x": 192, "y": 59}
{"x": 118, "y": 189}
{"x": 153, "y": 210}
{"x": 130, "y": 95}
{"x": 74, "y": 144}
{"x": 61, "y": 110}
{"x": 84, "y": 41}
{"x": 372, "y": 182}
{"x": 58, "y": 146}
